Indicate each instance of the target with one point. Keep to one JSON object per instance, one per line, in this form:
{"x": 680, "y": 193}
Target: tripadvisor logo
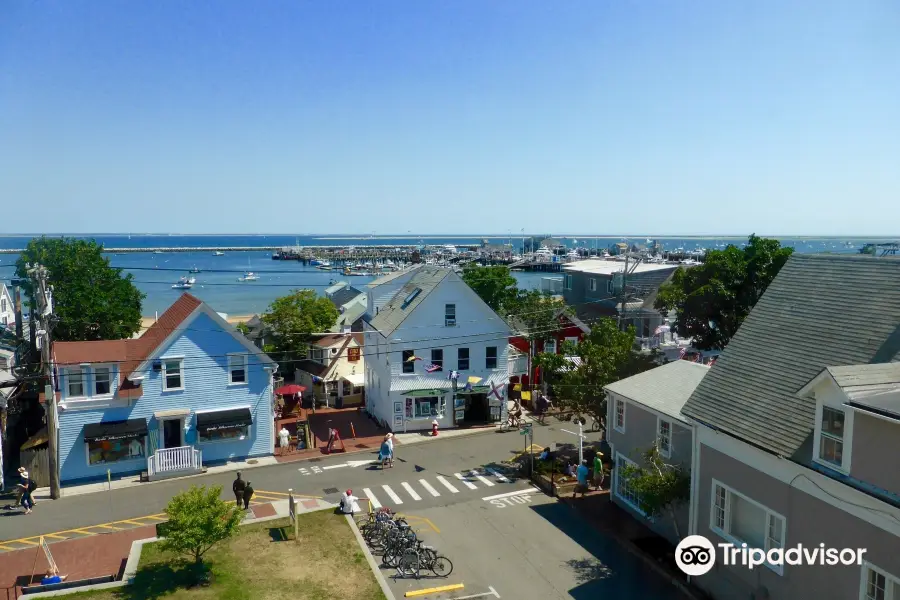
{"x": 696, "y": 555}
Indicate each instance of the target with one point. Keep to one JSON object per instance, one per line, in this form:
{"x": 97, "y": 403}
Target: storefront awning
{"x": 115, "y": 430}
{"x": 224, "y": 419}
{"x": 477, "y": 389}
{"x": 424, "y": 393}
{"x": 356, "y": 378}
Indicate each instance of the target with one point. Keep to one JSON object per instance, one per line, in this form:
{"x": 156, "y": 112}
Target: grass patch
{"x": 263, "y": 562}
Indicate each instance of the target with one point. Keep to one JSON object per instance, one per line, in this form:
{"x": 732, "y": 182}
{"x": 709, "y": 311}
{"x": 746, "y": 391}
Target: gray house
{"x": 797, "y": 435}
{"x": 645, "y": 409}
{"x": 593, "y": 288}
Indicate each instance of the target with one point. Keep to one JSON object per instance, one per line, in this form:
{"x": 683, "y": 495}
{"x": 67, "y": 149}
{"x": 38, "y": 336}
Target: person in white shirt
{"x": 349, "y": 503}
{"x": 284, "y": 437}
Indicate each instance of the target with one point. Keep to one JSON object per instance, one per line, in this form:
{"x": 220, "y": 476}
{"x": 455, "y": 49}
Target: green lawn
{"x": 263, "y": 563}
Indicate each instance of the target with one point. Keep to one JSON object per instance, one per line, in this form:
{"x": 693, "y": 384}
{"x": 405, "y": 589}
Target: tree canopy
{"x": 713, "y": 299}
{"x": 91, "y": 299}
{"x": 495, "y": 285}
{"x": 607, "y": 354}
{"x": 294, "y": 317}
{"x": 659, "y": 486}
{"x": 198, "y": 520}
{"x": 534, "y": 315}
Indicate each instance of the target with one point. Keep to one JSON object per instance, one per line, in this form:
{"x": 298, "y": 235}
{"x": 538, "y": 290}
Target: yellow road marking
{"x": 423, "y": 519}
{"x": 529, "y": 450}
{"x": 138, "y": 523}
{"x": 53, "y": 535}
{"x": 8, "y": 548}
{"x": 109, "y": 527}
{"x": 434, "y": 590}
{"x": 271, "y": 493}
{"x": 83, "y": 531}
{"x": 23, "y": 541}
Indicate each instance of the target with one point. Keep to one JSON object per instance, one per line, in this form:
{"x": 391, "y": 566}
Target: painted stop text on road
{"x": 511, "y": 501}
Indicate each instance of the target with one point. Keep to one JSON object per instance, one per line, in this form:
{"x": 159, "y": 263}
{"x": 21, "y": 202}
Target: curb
{"x": 468, "y": 432}
{"x": 633, "y": 549}
{"x": 379, "y": 576}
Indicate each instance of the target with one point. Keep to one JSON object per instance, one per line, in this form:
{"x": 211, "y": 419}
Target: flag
{"x": 697, "y": 358}
{"x": 712, "y": 362}
{"x": 432, "y": 368}
{"x": 468, "y": 387}
{"x": 413, "y": 359}
{"x": 496, "y": 391}
{"x": 658, "y": 330}
{"x": 682, "y": 352}
{"x": 473, "y": 380}
{"x": 454, "y": 375}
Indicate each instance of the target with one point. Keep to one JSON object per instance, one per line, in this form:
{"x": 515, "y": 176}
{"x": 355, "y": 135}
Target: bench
{"x": 65, "y": 585}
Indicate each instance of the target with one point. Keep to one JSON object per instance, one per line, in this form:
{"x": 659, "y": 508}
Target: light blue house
{"x": 191, "y": 391}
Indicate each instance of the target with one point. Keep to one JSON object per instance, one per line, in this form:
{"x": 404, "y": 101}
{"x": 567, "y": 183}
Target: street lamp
{"x": 580, "y": 422}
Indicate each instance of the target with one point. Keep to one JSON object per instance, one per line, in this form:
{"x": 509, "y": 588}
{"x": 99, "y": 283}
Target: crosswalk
{"x": 310, "y": 471}
{"x": 438, "y": 486}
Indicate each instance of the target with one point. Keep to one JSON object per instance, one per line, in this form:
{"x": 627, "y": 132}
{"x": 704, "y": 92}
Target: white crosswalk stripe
{"x": 428, "y": 487}
{"x": 447, "y": 484}
{"x": 482, "y": 479}
{"x": 498, "y": 475}
{"x": 469, "y": 484}
{"x": 394, "y": 497}
{"x": 372, "y": 498}
{"x": 411, "y": 491}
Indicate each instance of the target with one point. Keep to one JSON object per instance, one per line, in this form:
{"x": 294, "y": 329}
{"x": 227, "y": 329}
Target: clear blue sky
{"x": 594, "y": 116}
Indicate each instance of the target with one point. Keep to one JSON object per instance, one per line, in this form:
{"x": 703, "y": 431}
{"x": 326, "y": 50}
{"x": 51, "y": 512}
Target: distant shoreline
{"x": 408, "y": 236}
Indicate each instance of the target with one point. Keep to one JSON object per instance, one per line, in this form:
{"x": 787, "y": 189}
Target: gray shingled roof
{"x": 855, "y": 376}
{"x": 391, "y": 276}
{"x": 664, "y": 389}
{"x": 392, "y": 314}
{"x": 345, "y": 295}
{"x": 820, "y": 310}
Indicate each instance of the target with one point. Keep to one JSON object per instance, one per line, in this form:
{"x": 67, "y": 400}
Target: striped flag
{"x": 712, "y": 362}
{"x": 697, "y": 358}
{"x": 682, "y": 352}
{"x": 432, "y": 368}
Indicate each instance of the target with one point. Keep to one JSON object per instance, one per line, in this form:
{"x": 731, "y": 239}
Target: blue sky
{"x": 597, "y": 116}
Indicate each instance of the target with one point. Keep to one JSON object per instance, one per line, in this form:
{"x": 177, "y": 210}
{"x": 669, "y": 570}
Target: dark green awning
{"x": 424, "y": 393}
{"x": 478, "y": 389}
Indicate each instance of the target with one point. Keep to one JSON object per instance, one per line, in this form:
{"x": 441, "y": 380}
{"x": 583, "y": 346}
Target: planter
{"x": 554, "y": 488}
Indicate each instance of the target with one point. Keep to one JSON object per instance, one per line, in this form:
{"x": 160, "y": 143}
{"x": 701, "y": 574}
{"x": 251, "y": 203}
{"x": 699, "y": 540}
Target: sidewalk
{"x": 106, "y": 554}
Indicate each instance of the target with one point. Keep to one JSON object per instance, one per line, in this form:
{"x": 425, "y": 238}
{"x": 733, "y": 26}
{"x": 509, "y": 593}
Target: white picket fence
{"x": 183, "y": 458}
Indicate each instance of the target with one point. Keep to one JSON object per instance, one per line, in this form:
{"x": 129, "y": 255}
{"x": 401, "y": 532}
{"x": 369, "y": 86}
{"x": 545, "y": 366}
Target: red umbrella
{"x": 290, "y": 390}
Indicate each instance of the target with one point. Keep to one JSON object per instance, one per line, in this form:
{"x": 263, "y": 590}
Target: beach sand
{"x": 146, "y": 322}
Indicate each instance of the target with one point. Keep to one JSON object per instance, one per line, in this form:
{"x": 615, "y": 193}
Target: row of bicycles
{"x": 390, "y": 536}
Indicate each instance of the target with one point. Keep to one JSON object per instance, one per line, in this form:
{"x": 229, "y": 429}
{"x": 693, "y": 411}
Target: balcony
{"x": 517, "y": 364}
{"x": 174, "y": 462}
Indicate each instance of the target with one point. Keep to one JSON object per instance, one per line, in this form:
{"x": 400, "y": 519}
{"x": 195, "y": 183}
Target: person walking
{"x": 29, "y": 485}
{"x": 238, "y": 488}
{"x": 599, "y": 475}
{"x": 389, "y": 440}
{"x": 542, "y": 405}
{"x": 581, "y": 475}
{"x": 248, "y": 495}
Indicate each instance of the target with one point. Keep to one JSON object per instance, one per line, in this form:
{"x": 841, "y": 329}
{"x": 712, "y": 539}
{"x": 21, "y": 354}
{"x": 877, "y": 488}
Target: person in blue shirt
{"x": 581, "y": 474}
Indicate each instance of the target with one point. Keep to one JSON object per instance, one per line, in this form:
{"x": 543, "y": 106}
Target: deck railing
{"x": 183, "y": 458}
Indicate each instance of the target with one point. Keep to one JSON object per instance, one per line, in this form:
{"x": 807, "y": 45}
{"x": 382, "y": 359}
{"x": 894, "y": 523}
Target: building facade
{"x": 335, "y": 370}
{"x": 190, "y": 388}
{"x": 435, "y": 326}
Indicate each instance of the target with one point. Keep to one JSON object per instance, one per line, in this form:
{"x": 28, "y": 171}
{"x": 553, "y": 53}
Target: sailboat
{"x": 218, "y": 253}
{"x": 249, "y": 275}
{"x": 183, "y": 284}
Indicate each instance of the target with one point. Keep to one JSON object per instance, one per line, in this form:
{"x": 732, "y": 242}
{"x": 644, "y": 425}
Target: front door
{"x": 172, "y": 433}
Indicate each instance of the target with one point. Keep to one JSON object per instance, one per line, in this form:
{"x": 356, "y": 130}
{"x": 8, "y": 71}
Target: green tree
{"x": 91, "y": 299}
{"x": 607, "y": 354}
{"x": 534, "y": 315}
{"x": 292, "y": 318}
{"x": 659, "y": 486}
{"x": 713, "y": 299}
{"x": 495, "y": 285}
{"x": 243, "y": 327}
{"x": 198, "y": 520}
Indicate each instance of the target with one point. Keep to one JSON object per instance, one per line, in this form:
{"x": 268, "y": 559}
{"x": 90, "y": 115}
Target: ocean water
{"x": 218, "y": 285}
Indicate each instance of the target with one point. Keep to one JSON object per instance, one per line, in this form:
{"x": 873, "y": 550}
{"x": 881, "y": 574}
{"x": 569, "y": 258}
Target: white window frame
{"x": 85, "y": 379}
{"x": 93, "y": 381}
{"x": 592, "y": 284}
{"x": 618, "y": 481}
{"x": 728, "y": 537}
{"x": 567, "y": 281}
{"x": 165, "y": 379}
{"x": 616, "y": 426}
{"x": 891, "y": 581}
{"x": 450, "y": 314}
{"x": 552, "y": 343}
{"x": 846, "y": 440}
{"x": 242, "y": 356}
{"x": 667, "y": 452}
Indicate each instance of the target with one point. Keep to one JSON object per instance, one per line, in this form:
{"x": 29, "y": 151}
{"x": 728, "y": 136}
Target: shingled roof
{"x": 392, "y": 314}
{"x": 820, "y": 311}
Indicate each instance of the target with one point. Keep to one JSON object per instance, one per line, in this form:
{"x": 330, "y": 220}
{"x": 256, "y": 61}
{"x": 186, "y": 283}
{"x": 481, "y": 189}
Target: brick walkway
{"x": 368, "y": 434}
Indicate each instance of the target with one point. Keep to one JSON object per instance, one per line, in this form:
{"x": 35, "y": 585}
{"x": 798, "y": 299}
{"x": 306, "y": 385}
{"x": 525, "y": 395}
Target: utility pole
{"x": 18, "y": 303}
{"x": 44, "y": 309}
{"x": 624, "y": 295}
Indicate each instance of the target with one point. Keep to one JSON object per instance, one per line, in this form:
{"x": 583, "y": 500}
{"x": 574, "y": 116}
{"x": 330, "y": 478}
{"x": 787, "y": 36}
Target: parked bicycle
{"x": 596, "y": 424}
{"x": 423, "y": 557}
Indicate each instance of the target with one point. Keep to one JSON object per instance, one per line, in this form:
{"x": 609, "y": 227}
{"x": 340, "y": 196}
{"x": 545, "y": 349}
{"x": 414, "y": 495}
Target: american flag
{"x": 682, "y": 352}
{"x": 712, "y": 362}
{"x": 432, "y": 368}
{"x": 697, "y": 358}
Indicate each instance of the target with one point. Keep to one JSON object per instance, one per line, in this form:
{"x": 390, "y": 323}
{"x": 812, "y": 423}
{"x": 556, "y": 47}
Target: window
{"x": 112, "y": 451}
{"x": 462, "y": 359}
{"x": 431, "y": 406}
{"x": 567, "y": 282}
{"x": 550, "y": 346}
{"x": 437, "y": 358}
{"x": 348, "y": 388}
{"x": 490, "y": 357}
{"x": 623, "y": 490}
{"x": 237, "y": 369}
{"x": 352, "y": 354}
{"x": 449, "y": 315}
{"x": 409, "y": 365}
{"x": 609, "y": 286}
{"x": 102, "y": 381}
{"x": 75, "y": 382}
{"x": 593, "y": 284}
{"x": 317, "y": 354}
{"x": 739, "y": 519}
{"x": 4, "y": 321}
{"x": 620, "y": 415}
{"x": 223, "y": 434}
{"x": 4, "y": 363}
{"x": 3, "y": 306}
{"x": 171, "y": 371}
{"x": 878, "y": 584}
{"x": 831, "y": 436}
{"x": 664, "y": 433}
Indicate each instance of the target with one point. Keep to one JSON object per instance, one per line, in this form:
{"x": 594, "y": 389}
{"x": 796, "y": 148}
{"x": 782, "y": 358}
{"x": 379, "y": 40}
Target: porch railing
{"x": 517, "y": 365}
{"x": 183, "y": 458}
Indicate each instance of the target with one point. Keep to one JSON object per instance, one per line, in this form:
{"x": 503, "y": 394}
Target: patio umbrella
{"x": 290, "y": 390}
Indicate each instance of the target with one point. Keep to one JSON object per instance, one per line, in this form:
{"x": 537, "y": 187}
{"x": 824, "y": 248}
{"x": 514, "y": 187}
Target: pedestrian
{"x": 542, "y": 405}
{"x": 248, "y": 495}
{"x": 599, "y": 475}
{"x": 389, "y": 440}
{"x": 284, "y": 439}
{"x": 349, "y": 504}
{"x": 581, "y": 474}
{"x": 238, "y": 488}
{"x": 29, "y": 485}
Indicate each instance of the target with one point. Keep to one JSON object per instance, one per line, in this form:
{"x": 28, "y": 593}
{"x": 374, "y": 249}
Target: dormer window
{"x": 834, "y": 426}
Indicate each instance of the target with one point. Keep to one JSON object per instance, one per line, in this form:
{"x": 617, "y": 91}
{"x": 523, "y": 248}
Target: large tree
{"x": 713, "y": 299}
{"x": 198, "y": 520}
{"x": 606, "y": 355}
{"x": 292, "y": 319}
{"x": 91, "y": 299}
{"x": 495, "y": 285}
